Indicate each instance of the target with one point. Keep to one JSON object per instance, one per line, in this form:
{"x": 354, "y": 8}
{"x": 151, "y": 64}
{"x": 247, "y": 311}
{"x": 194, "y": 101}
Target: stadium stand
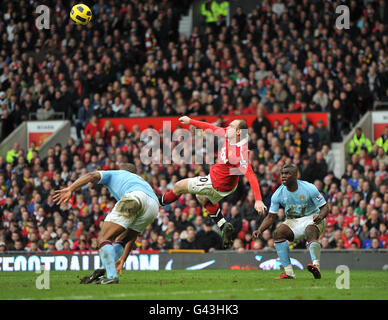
{"x": 282, "y": 57}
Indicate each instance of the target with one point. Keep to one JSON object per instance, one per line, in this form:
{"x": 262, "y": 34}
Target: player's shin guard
{"x": 315, "y": 253}
{"x": 283, "y": 251}
{"x": 215, "y": 213}
{"x": 107, "y": 255}
{"x": 168, "y": 198}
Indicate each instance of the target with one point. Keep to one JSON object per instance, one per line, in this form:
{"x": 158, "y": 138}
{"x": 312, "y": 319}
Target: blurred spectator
{"x": 383, "y": 234}
{"x": 85, "y": 113}
{"x": 234, "y": 217}
{"x": 382, "y": 141}
{"x": 260, "y": 122}
{"x": 238, "y": 245}
{"x": 207, "y": 239}
{"x": 59, "y": 245}
{"x": 248, "y": 241}
{"x": 188, "y": 240}
{"x": 349, "y": 238}
{"x": 374, "y": 220}
{"x": 198, "y": 223}
{"x": 323, "y": 134}
{"x": 13, "y": 153}
{"x": 51, "y": 246}
{"x": 368, "y": 242}
{"x": 161, "y": 244}
{"x": 359, "y": 141}
{"x": 46, "y": 112}
{"x": 209, "y": 10}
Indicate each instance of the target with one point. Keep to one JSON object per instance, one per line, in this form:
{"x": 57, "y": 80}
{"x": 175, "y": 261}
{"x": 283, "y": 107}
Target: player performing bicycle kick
{"x": 223, "y": 177}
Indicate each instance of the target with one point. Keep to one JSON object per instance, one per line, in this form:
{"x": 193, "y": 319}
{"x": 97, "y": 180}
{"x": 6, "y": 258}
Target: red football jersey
{"x": 232, "y": 159}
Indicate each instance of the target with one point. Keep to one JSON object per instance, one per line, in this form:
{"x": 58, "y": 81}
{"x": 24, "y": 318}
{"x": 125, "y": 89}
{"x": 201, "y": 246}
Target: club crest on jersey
{"x": 302, "y": 197}
{"x": 243, "y": 164}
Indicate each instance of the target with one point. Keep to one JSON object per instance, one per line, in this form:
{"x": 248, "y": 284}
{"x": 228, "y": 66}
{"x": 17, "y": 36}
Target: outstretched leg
{"x": 312, "y": 236}
{"x": 282, "y": 234}
{"x": 181, "y": 187}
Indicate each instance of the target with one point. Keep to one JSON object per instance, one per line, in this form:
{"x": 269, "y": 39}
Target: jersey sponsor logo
{"x": 295, "y": 211}
{"x": 223, "y": 155}
{"x": 243, "y": 164}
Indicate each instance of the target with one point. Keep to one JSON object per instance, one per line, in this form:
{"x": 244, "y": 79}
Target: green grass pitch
{"x": 198, "y": 285}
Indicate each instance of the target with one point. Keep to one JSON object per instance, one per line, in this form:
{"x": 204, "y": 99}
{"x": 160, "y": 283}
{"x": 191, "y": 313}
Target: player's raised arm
{"x": 251, "y": 176}
{"x": 203, "y": 125}
{"x": 63, "y": 195}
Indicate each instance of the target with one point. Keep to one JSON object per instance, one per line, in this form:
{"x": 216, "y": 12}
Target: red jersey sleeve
{"x": 251, "y": 176}
{"x": 204, "y": 125}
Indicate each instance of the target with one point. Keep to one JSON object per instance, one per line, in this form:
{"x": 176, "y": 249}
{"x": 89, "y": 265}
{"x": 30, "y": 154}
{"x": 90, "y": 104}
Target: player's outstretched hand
{"x": 260, "y": 207}
{"x": 256, "y": 234}
{"x": 184, "y": 120}
{"x": 119, "y": 265}
{"x": 62, "y": 196}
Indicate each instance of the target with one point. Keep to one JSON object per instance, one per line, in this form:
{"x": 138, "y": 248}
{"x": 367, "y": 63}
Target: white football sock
{"x": 289, "y": 270}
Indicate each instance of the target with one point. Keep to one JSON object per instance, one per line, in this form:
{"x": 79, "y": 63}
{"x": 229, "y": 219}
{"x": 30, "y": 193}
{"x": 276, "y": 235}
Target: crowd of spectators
{"x": 284, "y": 56}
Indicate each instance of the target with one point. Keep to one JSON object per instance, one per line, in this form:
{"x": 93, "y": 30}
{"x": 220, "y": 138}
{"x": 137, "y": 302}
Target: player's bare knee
{"x": 282, "y": 233}
{"x": 312, "y": 233}
{"x": 278, "y": 235}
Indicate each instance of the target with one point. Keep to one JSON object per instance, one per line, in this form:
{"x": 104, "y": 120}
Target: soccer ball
{"x": 81, "y": 14}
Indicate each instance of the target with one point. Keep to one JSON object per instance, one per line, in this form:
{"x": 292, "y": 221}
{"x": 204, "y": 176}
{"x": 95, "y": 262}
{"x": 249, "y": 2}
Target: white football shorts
{"x": 135, "y": 210}
{"x": 203, "y": 186}
{"x": 298, "y": 225}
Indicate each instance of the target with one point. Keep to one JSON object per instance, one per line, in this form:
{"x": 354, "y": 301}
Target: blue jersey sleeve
{"x": 274, "y": 208}
{"x": 105, "y": 177}
{"x": 316, "y": 197}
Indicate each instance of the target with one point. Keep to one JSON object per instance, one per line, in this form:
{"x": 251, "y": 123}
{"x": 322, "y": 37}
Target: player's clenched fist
{"x": 184, "y": 120}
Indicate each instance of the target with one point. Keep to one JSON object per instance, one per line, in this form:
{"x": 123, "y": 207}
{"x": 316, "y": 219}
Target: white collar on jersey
{"x": 239, "y": 144}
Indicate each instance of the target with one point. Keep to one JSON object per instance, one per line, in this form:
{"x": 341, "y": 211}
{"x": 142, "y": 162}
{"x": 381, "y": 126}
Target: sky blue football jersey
{"x": 120, "y": 182}
{"x": 303, "y": 202}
